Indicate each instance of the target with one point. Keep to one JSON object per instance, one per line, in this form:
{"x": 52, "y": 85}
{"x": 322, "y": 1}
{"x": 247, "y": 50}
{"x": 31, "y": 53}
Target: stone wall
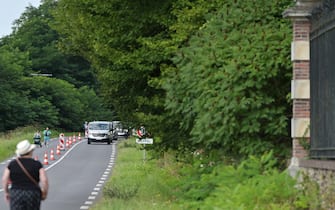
{"x": 322, "y": 173}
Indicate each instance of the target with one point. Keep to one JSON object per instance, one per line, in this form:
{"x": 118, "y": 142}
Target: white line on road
{"x": 65, "y": 154}
{"x": 100, "y": 183}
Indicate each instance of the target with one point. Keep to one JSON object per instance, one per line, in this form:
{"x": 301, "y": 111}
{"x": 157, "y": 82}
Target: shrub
{"x": 252, "y": 184}
{"x": 122, "y": 189}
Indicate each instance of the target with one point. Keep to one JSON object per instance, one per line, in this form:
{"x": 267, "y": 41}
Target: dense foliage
{"x": 232, "y": 79}
{"x": 198, "y": 74}
{"x": 165, "y": 184}
{"x": 15, "y": 107}
{"x": 124, "y": 40}
{"x": 32, "y": 34}
{"x": 254, "y": 183}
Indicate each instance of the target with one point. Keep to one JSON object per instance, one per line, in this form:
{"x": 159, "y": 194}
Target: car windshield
{"x": 98, "y": 126}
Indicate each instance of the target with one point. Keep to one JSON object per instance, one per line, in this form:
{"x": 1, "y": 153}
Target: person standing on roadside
{"x": 24, "y": 173}
{"x": 37, "y": 138}
{"x": 46, "y": 134}
{"x": 141, "y": 133}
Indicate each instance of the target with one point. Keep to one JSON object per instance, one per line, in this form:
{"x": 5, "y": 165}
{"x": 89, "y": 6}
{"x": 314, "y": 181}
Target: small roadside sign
{"x": 145, "y": 141}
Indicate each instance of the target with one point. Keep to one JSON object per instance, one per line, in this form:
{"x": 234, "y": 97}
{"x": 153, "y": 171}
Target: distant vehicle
{"x": 123, "y": 133}
{"x": 101, "y": 131}
{"x": 120, "y": 131}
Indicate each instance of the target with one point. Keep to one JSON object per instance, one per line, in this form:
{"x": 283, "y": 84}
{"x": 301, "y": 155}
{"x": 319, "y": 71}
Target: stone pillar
{"x": 300, "y": 84}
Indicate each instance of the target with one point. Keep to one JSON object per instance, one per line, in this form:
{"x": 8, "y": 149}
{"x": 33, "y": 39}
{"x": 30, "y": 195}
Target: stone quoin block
{"x": 300, "y": 50}
{"x": 300, "y": 89}
{"x": 300, "y": 127}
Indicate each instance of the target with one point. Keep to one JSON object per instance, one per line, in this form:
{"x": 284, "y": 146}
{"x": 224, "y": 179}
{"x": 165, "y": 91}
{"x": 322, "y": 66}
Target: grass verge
{"x": 137, "y": 184}
{"x": 8, "y": 140}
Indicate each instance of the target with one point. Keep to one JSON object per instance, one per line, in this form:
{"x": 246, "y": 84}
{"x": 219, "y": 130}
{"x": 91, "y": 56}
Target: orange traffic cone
{"x": 74, "y": 139}
{"x": 45, "y": 161}
{"x": 58, "y": 150}
{"x": 67, "y": 144}
{"x": 52, "y": 156}
{"x": 79, "y": 138}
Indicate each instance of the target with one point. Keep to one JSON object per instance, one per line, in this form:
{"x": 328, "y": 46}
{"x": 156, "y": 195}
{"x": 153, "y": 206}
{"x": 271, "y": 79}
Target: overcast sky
{"x": 11, "y": 10}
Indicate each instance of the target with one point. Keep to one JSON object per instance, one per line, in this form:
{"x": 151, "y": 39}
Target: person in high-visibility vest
{"x": 46, "y": 134}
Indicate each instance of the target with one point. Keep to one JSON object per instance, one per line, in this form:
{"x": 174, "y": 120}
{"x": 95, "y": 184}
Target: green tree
{"x": 123, "y": 40}
{"x": 226, "y": 74}
{"x": 15, "y": 106}
{"x": 57, "y": 103}
{"x": 231, "y": 82}
{"x": 129, "y": 42}
{"x": 94, "y": 107}
{"x": 65, "y": 100}
{"x": 32, "y": 34}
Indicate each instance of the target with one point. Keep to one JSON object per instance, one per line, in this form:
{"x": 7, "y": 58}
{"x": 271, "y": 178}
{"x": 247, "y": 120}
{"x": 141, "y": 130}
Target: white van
{"x": 101, "y": 131}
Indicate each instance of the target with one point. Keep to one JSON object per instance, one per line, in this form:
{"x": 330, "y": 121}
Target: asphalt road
{"x": 76, "y": 177}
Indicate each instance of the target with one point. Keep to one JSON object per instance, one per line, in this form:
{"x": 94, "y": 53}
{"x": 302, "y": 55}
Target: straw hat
{"x": 24, "y": 147}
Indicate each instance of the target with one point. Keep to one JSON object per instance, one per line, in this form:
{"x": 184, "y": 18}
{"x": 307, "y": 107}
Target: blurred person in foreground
{"x": 25, "y": 174}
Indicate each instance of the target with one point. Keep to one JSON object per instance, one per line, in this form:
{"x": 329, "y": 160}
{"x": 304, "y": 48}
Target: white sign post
{"x": 144, "y": 142}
